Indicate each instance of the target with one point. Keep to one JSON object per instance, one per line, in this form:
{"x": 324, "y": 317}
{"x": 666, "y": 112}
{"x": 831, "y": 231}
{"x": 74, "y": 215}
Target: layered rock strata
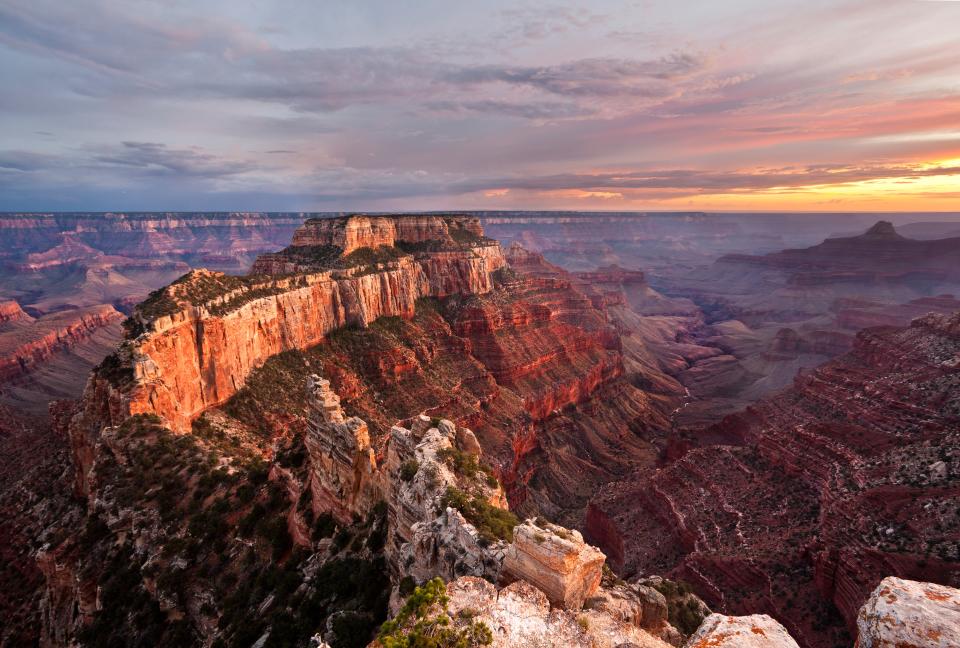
{"x": 842, "y": 480}
{"x": 373, "y": 231}
{"x": 342, "y": 462}
{"x": 555, "y": 560}
{"x": 26, "y": 343}
{"x": 194, "y": 343}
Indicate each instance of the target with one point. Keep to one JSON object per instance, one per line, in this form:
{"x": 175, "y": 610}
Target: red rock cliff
{"x": 201, "y": 337}
{"x": 360, "y": 231}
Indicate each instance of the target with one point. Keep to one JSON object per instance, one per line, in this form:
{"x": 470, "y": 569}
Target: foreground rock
{"x": 520, "y": 615}
{"x": 556, "y": 560}
{"x": 754, "y": 631}
{"x": 903, "y": 613}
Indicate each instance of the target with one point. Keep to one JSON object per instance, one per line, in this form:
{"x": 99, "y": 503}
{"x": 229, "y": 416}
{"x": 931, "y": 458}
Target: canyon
{"x": 76, "y": 275}
{"x": 393, "y": 399}
{"x": 846, "y": 477}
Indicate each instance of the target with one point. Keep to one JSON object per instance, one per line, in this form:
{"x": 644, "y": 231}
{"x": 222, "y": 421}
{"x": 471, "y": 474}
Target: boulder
{"x": 467, "y": 441}
{"x": 754, "y": 631}
{"x": 556, "y": 560}
{"x": 901, "y": 612}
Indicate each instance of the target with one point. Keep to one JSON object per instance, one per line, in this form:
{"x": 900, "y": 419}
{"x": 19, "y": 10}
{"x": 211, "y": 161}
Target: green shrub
{"x": 491, "y": 522}
{"x": 324, "y": 526}
{"x": 408, "y": 470}
{"x": 424, "y": 623}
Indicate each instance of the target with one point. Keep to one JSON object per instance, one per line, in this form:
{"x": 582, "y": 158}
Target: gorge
{"x": 392, "y": 399}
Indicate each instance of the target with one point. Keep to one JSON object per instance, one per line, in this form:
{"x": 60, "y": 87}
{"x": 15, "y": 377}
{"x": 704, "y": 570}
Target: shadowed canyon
{"x": 596, "y": 429}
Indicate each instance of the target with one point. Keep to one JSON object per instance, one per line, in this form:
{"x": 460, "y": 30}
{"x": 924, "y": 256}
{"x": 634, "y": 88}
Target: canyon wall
{"x": 847, "y": 477}
{"x": 197, "y": 358}
{"x": 21, "y": 349}
{"x": 374, "y": 231}
{"x": 148, "y": 234}
{"x": 198, "y": 339}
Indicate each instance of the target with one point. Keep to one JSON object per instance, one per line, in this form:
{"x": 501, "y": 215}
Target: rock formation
{"x": 842, "y": 480}
{"x": 26, "y": 342}
{"x": 520, "y": 616}
{"x": 149, "y": 235}
{"x": 489, "y": 348}
{"x": 754, "y": 631}
{"x": 555, "y": 560}
{"x": 342, "y": 462}
{"x": 373, "y": 231}
{"x": 10, "y": 311}
{"x": 198, "y": 339}
{"x": 907, "y": 613}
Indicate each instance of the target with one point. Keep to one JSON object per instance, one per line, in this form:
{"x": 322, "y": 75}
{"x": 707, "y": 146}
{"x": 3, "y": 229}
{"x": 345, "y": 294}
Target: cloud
{"x": 152, "y": 158}
{"x": 699, "y": 181}
{"x": 528, "y": 110}
{"x": 595, "y": 77}
{"x": 525, "y": 24}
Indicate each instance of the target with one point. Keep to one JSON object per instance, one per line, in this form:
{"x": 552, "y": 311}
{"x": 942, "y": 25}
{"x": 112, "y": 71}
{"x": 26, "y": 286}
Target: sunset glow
{"x": 743, "y": 105}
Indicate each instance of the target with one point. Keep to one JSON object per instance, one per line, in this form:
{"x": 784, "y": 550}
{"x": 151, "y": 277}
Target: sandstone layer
{"x": 198, "y": 339}
{"x": 819, "y": 492}
{"x": 374, "y": 231}
{"x": 555, "y": 560}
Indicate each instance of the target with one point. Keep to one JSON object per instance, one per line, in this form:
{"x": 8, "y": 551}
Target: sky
{"x": 322, "y": 105}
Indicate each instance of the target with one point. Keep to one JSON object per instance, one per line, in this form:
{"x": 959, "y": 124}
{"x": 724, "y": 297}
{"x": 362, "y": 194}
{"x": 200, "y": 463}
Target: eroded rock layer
{"x": 849, "y": 476}
{"x": 197, "y": 340}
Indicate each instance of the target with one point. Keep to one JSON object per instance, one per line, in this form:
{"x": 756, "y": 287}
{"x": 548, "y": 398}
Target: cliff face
{"x": 374, "y": 231}
{"x": 26, "y": 343}
{"x": 10, "y": 311}
{"x": 531, "y": 341}
{"x": 199, "y": 354}
{"x": 147, "y": 235}
{"x": 842, "y": 480}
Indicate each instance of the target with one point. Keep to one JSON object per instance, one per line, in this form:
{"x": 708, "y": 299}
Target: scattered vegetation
{"x": 408, "y": 470}
{"x": 367, "y": 256}
{"x": 115, "y": 370}
{"x": 491, "y": 522}
{"x": 424, "y": 623}
{"x": 683, "y": 608}
{"x": 315, "y": 255}
{"x": 467, "y": 465}
{"x": 504, "y": 275}
{"x": 221, "y": 528}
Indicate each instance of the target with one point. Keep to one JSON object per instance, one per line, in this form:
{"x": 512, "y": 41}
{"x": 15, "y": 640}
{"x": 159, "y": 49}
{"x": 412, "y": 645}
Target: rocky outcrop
{"x": 879, "y": 255}
{"x": 343, "y": 476}
{"x": 69, "y": 601}
{"x": 902, "y": 613}
{"x": 754, "y": 631}
{"x": 10, "y": 311}
{"x": 417, "y": 478}
{"x": 360, "y": 231}
{"x": 555, "y": 560}
{"x": 520, "y": 616}
{"x": 427, "y": 538}
{"x": 210, "y": 331}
